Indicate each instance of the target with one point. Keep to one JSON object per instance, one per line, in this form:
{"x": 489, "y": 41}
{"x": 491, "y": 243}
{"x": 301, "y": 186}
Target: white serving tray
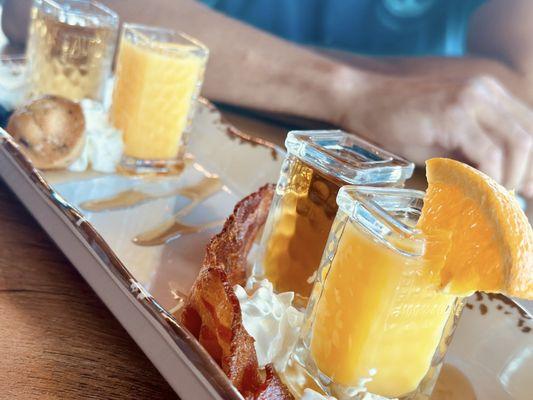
{"x": 493, "y": 345}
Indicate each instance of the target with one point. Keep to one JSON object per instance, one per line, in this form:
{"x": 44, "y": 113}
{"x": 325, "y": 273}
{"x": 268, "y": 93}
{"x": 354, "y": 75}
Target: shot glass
{"x": 376, "y": 321}
{"x": 317, "y": 165}
{"x": 159, "y": 76}
{"x": 70, "y": 49}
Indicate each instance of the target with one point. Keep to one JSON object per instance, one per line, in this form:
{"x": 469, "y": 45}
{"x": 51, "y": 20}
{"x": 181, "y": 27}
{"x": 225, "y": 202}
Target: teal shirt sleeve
{"x": 375, "y": 27}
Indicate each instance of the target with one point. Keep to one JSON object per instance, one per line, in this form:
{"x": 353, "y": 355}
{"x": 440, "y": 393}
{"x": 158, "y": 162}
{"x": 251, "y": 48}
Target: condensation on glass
{"x": 376, "y": 321}
{"x": 158, "y": 79}
{"x": 71, "y": 47}
{"x": 317, "y": 165}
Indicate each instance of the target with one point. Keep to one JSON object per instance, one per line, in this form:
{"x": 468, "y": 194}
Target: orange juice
{"x": 397, "y": 264}
{"x": 157, "y": 85}
{"x": 392, "y": 326}
{"x": 376, "y": 320}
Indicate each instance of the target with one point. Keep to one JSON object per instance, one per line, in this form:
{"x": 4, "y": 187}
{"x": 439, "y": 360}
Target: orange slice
{"x": 491, "y": 238}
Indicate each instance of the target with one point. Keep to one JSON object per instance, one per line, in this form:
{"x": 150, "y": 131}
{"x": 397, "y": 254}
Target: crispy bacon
{"x": 229, "y": 249}
{"x": 213, "y": 315}
{"x": 273, "y": 388}
{"x": 212, "y": 312}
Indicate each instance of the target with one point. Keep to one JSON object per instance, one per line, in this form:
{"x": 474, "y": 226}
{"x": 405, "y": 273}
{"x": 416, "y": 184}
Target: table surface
{"x": 58, "y": 339}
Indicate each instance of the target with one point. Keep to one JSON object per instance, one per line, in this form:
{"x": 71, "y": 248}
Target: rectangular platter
{"x": 140, "y": 283}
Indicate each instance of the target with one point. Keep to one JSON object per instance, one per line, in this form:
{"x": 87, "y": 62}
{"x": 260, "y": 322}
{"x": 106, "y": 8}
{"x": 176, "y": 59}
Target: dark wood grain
{"x": 57, "y": 339}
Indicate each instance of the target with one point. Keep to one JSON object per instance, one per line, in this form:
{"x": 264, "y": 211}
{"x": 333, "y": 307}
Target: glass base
{"x": 302, "y": 356}
{"x": 309, "y": 372}
{"x": 135, "y": 166}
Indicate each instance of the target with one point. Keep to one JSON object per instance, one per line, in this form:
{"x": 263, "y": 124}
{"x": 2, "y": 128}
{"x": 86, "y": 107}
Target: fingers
{"x": 524, "y": 116}
{"x": 509, "y": 124}
{"x": 527, "y": 188}
{"x": 478, "y": 146}
{"x": 505, "y": 101}
{"x": 515, "y": 141}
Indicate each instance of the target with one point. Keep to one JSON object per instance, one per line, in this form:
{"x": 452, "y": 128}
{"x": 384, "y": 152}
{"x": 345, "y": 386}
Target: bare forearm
{"x": 502, "y": 30}
{"x": 444, "y": 68}
{"x": 251, "y": 68}
{"x": 466, "y": 68}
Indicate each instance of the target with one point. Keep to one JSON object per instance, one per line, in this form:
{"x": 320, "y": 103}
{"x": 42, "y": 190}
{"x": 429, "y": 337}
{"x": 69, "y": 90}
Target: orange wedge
{"x": 491, "y": 238}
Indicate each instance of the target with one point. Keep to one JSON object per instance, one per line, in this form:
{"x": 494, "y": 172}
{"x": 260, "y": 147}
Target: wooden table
{"x": 57, "y": 340}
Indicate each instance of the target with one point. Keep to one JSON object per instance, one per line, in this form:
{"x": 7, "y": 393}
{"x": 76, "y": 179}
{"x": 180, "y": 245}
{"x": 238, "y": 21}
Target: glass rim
{"x": 68, "y": 7}
{"x": 95, "y": 9}
{"x": 139, "y": 29}
{"x": 347, "y": 157}
{"x": 373, "y": 209}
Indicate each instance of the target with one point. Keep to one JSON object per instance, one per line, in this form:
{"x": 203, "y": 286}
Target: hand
{"x": 477, "y": 120}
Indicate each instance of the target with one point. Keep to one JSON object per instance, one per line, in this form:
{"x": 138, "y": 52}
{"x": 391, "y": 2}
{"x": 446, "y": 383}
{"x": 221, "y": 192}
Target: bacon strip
{"x": 213, "y": 315}
{"x": 229, "y": 249}
{"x": 212, "y": 312}
{"x": 273, "y": 388}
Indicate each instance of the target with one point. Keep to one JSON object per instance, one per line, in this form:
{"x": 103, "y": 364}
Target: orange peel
{"x": 491, "y": 238}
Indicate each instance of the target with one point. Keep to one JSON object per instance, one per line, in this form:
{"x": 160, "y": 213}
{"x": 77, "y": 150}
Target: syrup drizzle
{"x": 170, "y": 230}
{"x": 133, "y": 197}
{"x": 175, "y": 227}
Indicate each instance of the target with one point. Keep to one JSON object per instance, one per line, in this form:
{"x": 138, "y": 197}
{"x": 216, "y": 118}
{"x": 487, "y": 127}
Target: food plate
{"x": 142, "y": 282}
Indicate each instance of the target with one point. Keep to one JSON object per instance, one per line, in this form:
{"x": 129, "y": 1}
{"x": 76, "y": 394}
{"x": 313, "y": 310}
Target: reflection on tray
{"x": 132, "y": 197}
{"x": 174, "y": 227}
{"x": 170, "y": 230}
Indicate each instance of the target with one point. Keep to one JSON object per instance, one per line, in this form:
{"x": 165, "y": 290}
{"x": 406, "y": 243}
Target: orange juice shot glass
{"x": 376, "y": 321}
{"x": 158, "y": 79}
{"x": 317, "y": 165}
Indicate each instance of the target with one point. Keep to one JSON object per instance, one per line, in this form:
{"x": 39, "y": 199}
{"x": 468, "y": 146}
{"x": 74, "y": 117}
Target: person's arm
{"x": 502, "y": 30}
{"x": 417, "y": 117}
{"x": 477, "y": 106}
{"x": 247, "y": 67}
{"x": 500, "y": 44}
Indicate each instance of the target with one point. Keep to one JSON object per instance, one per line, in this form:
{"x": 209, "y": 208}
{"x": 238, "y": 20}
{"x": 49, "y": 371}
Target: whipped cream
{"x": 13, "y": 84}
{"x": 275, "y": 326}
{"x": 271, "y": 320}
{"x": 103, "y": 143}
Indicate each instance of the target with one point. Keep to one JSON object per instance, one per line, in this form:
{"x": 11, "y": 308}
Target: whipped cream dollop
{"x": 271, "y": 320}
{"x": 275, "y": 325}
{"x": 103, "y": 143}
{"x": 13, "y": 84}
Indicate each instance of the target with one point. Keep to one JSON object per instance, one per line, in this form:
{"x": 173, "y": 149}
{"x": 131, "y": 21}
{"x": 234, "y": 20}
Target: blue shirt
{"x": 374, "y": 27}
